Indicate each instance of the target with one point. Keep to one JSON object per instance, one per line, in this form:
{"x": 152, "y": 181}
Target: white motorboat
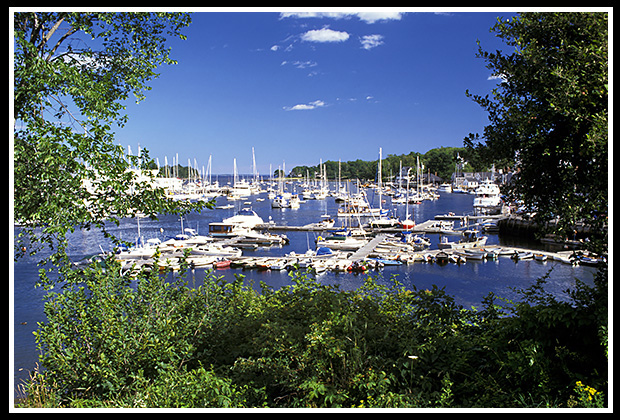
{"x": 487, "y": 200}
{"x": 246, "y": 217}
{"x": 470, "y": 240}
{"x": 347, "y": 243}
{"x": 236, "y": 225}
{"x": 522, "y": 255}
{"x": 216, "y": 250}
{"x": 445, "y": 188}
{"x": 251, "y": 236}
{"x": 471, "y": 254}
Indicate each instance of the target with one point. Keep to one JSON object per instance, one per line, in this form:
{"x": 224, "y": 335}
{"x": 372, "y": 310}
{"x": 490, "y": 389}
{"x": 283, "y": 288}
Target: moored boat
{"x": 470, "y": 240}
{"x": 524, "y": 255}
{"x": 442, "y": 258}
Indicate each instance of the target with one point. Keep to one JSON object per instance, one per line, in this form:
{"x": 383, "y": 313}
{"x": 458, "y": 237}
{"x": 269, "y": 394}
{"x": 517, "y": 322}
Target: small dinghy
{"x": 522, "y": 256}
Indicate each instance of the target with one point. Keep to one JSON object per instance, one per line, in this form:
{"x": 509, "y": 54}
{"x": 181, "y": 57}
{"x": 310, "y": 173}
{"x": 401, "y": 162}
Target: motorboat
{"x": 470, "y": 239}
{"x": 245, "y": 217}
{"x": 487, "y": 200}
{"x": 236, "y": 225}
{"x": 385, "y": 222}
{"x": 223, "y": 263}
{"x": 445, "y": 188}
{"x": 471, "y": 254}
{"x": 590, "y": 261}
{"x": 252, "y": 237}
{"x": 216, "y": 250}
{"x": 494, "y": 252}
{"x": 341, "y": 242}
{"x": 525, "y": 255}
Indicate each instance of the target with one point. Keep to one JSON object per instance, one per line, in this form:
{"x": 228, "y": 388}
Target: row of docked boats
{"x": 224, "y": 245}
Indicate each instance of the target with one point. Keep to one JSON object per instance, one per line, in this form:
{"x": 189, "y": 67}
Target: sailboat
{"x": 408, "y": 223}
{"x": 382, "y": 220}
{"x": 281, "y": 200}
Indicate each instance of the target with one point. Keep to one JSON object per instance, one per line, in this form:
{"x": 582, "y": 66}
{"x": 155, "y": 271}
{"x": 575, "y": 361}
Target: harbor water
{"x": 468, "y": 283}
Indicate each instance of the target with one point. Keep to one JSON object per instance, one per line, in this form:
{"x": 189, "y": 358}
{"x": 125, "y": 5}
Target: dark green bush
{"x": 157, "y": 342}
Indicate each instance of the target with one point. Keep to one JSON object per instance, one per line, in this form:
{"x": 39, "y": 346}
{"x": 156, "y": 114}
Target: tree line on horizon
{"x": 440, "y": 161}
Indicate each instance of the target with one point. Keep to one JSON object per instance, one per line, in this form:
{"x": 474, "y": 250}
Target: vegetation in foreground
{"x": 151, "y": 342}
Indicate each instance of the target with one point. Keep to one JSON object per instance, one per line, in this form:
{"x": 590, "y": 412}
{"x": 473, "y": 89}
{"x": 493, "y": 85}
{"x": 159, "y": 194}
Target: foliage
{"x": 157, "y": 342}
{"x": 439, "y": 160}
{"x": 549, "y": 116}
{"x": 73, "y": 72}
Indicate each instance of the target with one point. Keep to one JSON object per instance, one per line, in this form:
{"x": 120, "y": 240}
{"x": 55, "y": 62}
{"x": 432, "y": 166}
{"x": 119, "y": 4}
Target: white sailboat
{"x": 381, "y": 220}
{"x": 407, "y": 223}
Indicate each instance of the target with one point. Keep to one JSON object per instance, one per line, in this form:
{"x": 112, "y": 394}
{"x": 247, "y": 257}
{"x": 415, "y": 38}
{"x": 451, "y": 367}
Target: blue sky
{"x": 304, "y": 87}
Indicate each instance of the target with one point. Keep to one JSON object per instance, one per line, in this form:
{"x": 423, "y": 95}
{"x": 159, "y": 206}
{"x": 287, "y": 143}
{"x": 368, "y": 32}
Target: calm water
{"x": 468, "y": 283}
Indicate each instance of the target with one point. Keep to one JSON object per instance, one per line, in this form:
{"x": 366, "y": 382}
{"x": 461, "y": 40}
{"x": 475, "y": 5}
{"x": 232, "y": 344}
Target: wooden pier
{"x": 364, "y": 251}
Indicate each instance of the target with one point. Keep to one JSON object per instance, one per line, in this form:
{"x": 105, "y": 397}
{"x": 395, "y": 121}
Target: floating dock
{"x": 364, "y": 251}
{"x": 429, "y": 226}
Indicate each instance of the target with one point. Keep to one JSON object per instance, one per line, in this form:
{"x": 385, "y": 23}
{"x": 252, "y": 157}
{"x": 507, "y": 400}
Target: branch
{"x": 60, "y": 41}
{"x": 49, "y": 33}
{"x": 70, "y": 114}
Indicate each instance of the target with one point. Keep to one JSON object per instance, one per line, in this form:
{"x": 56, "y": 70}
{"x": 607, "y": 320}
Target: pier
{"x": 428, "y": 226}
{"x": 364, "y": 251}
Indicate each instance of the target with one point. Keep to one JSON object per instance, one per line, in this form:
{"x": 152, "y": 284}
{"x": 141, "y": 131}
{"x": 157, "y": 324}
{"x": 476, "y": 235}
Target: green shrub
{"x": 157, "y": 342}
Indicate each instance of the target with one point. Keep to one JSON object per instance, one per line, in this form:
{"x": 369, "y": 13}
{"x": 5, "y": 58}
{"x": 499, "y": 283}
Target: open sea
{"x": 468, "y": 283}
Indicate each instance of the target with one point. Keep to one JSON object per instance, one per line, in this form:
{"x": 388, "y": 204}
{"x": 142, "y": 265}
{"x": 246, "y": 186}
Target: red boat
{"x": 407, "y": 224}
{"x": 222, "y": 264}
{"x": 357, "y": 267}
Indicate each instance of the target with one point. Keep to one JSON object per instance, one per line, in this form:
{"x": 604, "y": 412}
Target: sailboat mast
{"x": 379, "y": 183}
{"x": 234, "y": 172}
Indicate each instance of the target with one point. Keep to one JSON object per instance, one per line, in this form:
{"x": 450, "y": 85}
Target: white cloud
{"x": 371, "y": 41}
{"x": 368, "y": 17}
{"x": 324, "y": 35}
{"x": 372, "y": 17}
{"x": 305, "y": 107}
{"x": 304, "y": 64}
{"x": 275, "y": 48}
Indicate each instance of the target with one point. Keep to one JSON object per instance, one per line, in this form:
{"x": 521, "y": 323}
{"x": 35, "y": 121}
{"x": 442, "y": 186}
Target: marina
{"x": 355, "y": 233}
{"x": 285, "y": 241}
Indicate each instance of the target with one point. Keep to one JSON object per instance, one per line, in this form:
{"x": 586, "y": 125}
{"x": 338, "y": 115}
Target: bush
{"x": 156, "y": 342}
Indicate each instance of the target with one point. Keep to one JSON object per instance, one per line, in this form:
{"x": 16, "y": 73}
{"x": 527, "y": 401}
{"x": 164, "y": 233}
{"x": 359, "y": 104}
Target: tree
{"x": 72, "y": 74}
{"x": 548, "y": 115}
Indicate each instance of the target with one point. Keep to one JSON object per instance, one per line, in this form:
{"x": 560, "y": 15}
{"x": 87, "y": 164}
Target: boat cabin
{"x": 221, "y": 229}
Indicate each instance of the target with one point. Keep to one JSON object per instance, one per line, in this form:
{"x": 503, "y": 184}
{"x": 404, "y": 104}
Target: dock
{"x": 428, "y": 226}
{"x": 364, "y": 251}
